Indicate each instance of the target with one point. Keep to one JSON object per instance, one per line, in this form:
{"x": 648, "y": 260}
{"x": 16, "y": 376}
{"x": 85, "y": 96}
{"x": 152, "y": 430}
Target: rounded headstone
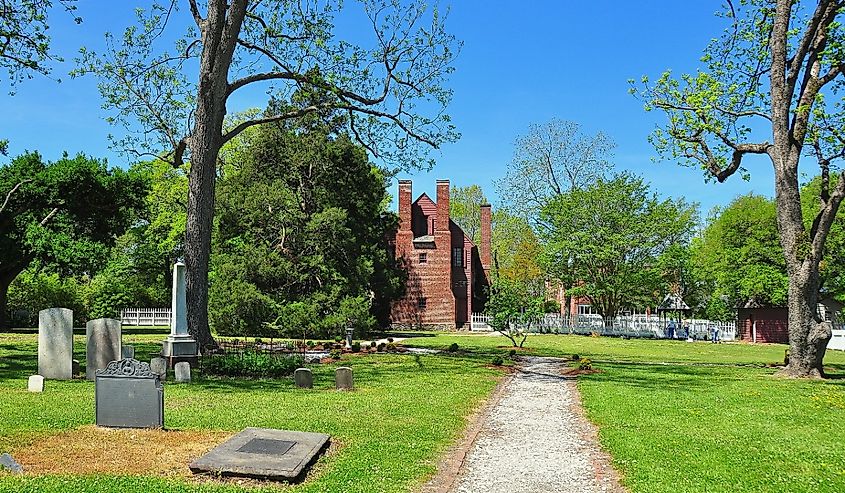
{"x": 103, "y": 344}
{"x": 182, "y": 372}
{"x": 304, "y": 378}
{"x": 55, "y": 343}
{"x": 127, "y": 352}
{"x": 36, "y": 383}
{"x": 159, "y": 367}
{"x": 343, "y": 378}
{"x": 75, "y": 367}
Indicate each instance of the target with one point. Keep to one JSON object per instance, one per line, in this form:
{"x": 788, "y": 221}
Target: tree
{"x": 516, "y": 250}
{"x": 610, "y": 236}
{"x": 513, "y": 308}
{"x": 553, "y": 158}
{"x": 65, "y": 214}
{"x": 24, "y": 42}
{"x": 465, "y": 209}
{"x": 776, "y": 71}
{"x": 392, "y": 94}
{"x": 739, "y": 254}
{"x": 302, "y": 237}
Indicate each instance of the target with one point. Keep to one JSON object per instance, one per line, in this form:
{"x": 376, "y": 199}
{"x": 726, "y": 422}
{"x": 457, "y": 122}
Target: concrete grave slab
{"x": 264, "y": 453}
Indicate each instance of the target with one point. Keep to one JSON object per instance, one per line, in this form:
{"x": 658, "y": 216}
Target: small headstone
{"x": 7, "y": 462}
{"x": 343, "y": 379}
{"x": 36, "y": 383}
{"x": 127, "y": 351}
{"x": 159, "y": 367}
{"x": 75, "y": 367}
{"x": 103, "y": 344}
{"x": 128, "y": 394}
{"x": 55, "y": 343}
{"x": 182, "y": 372}
{"x": 304, "y": 378}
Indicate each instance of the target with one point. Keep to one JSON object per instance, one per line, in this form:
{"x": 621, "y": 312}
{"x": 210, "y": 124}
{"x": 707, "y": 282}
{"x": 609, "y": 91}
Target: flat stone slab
{"x": 264, "y": 453}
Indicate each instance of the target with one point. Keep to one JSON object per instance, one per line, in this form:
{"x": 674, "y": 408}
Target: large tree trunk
{"x": 4, "y": 290}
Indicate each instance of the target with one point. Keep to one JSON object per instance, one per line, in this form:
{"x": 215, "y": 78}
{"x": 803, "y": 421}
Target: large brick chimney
{"x": 486, "y": 232}
{"x": 442, "y": 223}
{"x": 405, "y": 205}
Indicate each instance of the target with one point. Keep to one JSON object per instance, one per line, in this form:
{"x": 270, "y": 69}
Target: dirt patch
{"x": 574, "y": 372}
{"x": 93, "y": 450}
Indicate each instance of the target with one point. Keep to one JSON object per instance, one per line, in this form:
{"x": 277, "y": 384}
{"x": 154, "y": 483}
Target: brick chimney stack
{"x": 486, "y": 233}
{"x": 404, "y": 205}
{"x": 442, "y": 223}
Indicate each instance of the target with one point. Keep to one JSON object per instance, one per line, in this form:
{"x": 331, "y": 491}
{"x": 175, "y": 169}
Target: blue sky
{"x": 522, "y": 62}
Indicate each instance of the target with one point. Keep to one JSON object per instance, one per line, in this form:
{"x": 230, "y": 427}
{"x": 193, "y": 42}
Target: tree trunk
{"x": 4, "y": 290}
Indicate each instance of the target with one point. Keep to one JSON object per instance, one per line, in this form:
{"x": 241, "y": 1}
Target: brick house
{"x": 759, "y": 322}
{"x": 448, "y": 274}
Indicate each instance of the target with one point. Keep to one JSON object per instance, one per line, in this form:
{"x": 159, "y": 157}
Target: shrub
{"x": 585, "y": 364}
{"x": 373, "y": 344}
{"x": 390, "y": 346}
{"x": 356, "y": 347}
{"x": 575, "y": 357}
{"x": 389, "y": 339}
{"x": 338, "y": 338}
{"x": 512, "y": 353}
{"x": 380, "y": 347}
{"x": 334, "y": 354}
{"x": 497, "y": 360}
{"x": 453, "y": 347}
{"x": 252, "y": 364}
{"x": 310, "y": 344}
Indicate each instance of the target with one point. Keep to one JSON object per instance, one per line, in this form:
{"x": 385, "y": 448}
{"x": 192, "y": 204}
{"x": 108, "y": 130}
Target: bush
{"x": 512, "y": 353}
{"x": 239, "y": 309}
{"x": 575, "y": 357}
{"x": 390, "y": 346}
{"x": 34, "y": 291}
{"x": 252, "y": 364}
{"x": 498, "y": 361}
{"x": 585, "y": 364}
{"x": 338, "y": 339}
{"x": 453, "y": 347}
{"x": 310, "y": 344}
{"x": 356, "y": 347}
{"x": 380, "y": 347}
{"x": 334, "y": 354}
{"x": 389, "y": 339}
{"x": 373, "y": 344}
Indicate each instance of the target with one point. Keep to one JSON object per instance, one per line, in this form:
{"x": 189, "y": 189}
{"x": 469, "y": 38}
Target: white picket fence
{"x": 145, "y": 316}
{"x": 838, "y": 340}
{"x": 628, "y": 325}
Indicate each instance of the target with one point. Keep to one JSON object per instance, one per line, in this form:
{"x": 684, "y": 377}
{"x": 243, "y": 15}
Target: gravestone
{"x": 128, "y": 394}
{"x": 179, "y": 345}
{"x": 343, "y": 379}
{"x": 103, "y": 344}
{"x": 182, "y": 372}
{"x": 55, "y": 343}
{"x": 74, "y": 367}
{"x": 35, "y": 383}
{"x": 264, "y": 453}
{"x": 10, "y": 464}
{"x": 304, "y": 378}
{"x": 127, "y": 351}
{"x": 349, "y": 332}
{"x": 159, "y": 367}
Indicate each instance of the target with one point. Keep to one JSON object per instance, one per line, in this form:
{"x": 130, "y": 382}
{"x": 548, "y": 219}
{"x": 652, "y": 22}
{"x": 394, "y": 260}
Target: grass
{"x": 390, "y": 431}
{"x": 680, "y": 417}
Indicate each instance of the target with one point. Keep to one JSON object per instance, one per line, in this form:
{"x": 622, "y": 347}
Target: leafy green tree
{"x": 465, "y": 209}
{"x": 516, "y": 250}
{"x": 610, "y": 235}
{"x": 24, "y": 42}
{"x": 65, "y": 214}
{"x": 513, "y": 308}
{"x": 173, "y": 102}
{"x": 771, "y": 85}
{"x": 301, "y": 243}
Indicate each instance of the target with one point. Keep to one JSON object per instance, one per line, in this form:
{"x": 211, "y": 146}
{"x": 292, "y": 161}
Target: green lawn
{"x": 683, "y": 417}
{"x": 393, "y": 428}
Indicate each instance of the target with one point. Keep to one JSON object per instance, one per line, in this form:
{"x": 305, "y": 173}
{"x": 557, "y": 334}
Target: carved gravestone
{"x": 304, "y": 378}
{"x": 102, "y": 344}
{"x": 129, "y": 395}
{"x": 55, "y": 343}
{"x": 343, "y": 378}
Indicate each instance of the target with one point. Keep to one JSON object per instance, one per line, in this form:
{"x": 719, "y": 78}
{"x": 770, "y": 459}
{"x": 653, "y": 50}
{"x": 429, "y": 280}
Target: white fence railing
{"x": 145, "y": 316}
{"x": 838, "y": 340}
{"x": 628, "y": 325}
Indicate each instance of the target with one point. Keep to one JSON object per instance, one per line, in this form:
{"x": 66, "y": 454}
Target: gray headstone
{"x": 349, "y": 332}
{"x": 128, "y": 395}
{"x": 35, "y": 383}
{"x": 103, "y": 344}
{"x": 264, "y": 453}
{"x": 304, "y": 378}
{"x": 179, "y": 342}
{"x": 159, "y": 367}
{"x": 75, "y": 367}
{"x": 55, "y": 343}
{"x": 127, "y": 351}
{"x": 7, "y": 462}
{"x": 182, "y": 372}
{"x": 343, "y": 379}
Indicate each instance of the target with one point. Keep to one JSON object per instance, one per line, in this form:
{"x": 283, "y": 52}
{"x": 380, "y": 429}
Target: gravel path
{"x": 536, "y": 440}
